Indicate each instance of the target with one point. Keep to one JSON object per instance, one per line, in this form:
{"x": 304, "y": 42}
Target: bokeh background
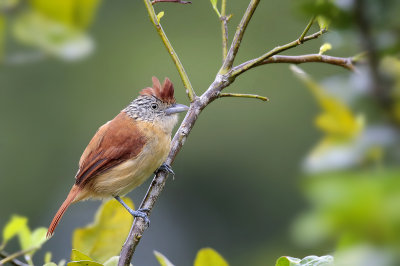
{"x": 249, "y": 181}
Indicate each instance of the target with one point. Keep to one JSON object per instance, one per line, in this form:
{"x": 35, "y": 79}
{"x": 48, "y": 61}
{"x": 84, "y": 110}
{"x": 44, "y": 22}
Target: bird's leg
{"x": 142, "y": 213}
{"x": 165, "y": 167}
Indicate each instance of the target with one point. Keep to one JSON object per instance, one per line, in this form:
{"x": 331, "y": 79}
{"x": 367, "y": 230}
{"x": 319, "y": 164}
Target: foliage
{"x": 29, "y": 241}
{"x": 105, "y": 236}
{"x": 56, "y": 28}
{"x": 307, "y": 261}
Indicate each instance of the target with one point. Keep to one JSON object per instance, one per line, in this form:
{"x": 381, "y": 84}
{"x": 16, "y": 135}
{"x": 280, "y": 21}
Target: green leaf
{"x": 159, "y": 16}
{"x": 162, "y": 259}
{"x": 77, "y": 255}
{"x": 50, "y": 264}
{"x": 214, "y": 5}
{"x": 52, "y": 37}
{"x": 16, "y": 225}
{"x": 287, "y": 261}
{"x": 307, "y": 261}
{"x": 325, "y": 47}
{"x": 104, "y": 238}
{"x": 209, "y": 257}
{"x": 84, "y": 263}
{"x": 113, "y": 261}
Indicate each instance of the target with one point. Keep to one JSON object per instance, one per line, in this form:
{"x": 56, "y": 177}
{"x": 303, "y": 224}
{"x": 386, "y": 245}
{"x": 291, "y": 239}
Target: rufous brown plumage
{"x": 125, "y": 151}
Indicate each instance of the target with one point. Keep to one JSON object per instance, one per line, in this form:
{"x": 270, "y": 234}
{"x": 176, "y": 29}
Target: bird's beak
{"x": 176, "y": 108}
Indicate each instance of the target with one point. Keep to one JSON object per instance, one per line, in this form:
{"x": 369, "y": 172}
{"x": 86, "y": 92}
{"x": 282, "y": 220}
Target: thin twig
{"x": 224, "y": 29}
{"x": 170, "y": 1}
{"x": 171, "y": 51}
{"x": 265, "y": 99}
{"x": 257, "y": 61}
{"x": 301, "y": 38}
{"x": 346, "y": 62}
{"x": 13, "y": 257}
{"x": 13, "y": 261}
{"x": 237, "y": 39}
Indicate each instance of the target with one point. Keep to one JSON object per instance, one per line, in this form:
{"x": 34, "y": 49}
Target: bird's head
{"x": 157, "y": 104}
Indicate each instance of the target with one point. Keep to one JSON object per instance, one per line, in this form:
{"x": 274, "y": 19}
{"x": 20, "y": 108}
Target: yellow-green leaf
{"x": 47, "y": 257}
{"x": 73, "y": 13}
{"x": 209, "y": 257}
{"x": 214, "y": 5}
{"x": 52, "y": 37}
{"x": 323, "y": 22}
{"x": 16, "y": 225}
{"x": 325, "y": 47}
{"x": 77, "y": 255}
{"x": 50, "y": 264}
{"x": 105, "y": 237}
{"x": 159, "y": 16}
{"x": 84, "y": 263}
{"x": 162, "y": 259}
{"x": 336, "y": 120}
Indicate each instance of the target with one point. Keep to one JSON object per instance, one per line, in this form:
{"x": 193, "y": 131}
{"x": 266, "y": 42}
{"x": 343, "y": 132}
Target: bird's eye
{"x": 154, "y": 106}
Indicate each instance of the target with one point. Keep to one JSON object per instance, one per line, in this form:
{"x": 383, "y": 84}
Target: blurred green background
{"x": 239, "y": 185}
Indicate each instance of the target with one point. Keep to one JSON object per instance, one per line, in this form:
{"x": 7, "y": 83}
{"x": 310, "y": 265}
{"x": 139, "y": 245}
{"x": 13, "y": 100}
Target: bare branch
{"x": 346, "y": 62}
{"x": 227, "y": 65}
{"x": 13, "y": 261}
{"x": 265, "y": 99}
{"x": 257, "y": 61}
{"x": 171, "y": 51}
{"x": 170, "y": 1}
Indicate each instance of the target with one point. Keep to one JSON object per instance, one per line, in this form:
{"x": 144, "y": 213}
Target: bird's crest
{"x": 164, "y": 93}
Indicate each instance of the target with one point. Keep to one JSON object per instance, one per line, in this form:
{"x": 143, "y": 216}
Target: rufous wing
{"x": 115, "y": 142}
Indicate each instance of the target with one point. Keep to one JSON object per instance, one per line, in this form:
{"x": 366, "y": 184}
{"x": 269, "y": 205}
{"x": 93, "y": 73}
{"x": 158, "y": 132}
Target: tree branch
{"x": 170, "y": 1}
{"x": 257, "y": 61}
{"x": 254, "y": 96}
{"x": 224, "y": 78}
{"x": 346, "y": 62}
{"x": 171, "y": 51}
{"x": 227, "y": 65}
{"x": 224, "y": 29}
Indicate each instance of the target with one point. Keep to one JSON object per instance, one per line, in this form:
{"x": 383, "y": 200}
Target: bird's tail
{"x": 70, "y": 198}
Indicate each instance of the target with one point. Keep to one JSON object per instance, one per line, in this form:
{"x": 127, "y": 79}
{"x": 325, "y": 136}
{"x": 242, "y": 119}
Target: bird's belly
{"x": 131, "y": 173}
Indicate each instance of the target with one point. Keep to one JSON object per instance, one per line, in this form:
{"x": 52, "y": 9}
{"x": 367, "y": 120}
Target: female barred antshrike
{"x": 126, "y": 150}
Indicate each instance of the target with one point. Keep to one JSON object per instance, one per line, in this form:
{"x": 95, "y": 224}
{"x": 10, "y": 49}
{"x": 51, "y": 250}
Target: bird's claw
{"x": 165, "y": 167}
{"x": 142, "y": 213}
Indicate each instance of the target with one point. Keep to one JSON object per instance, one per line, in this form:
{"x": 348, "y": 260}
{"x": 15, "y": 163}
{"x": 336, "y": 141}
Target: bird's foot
{"x": 165, "y": 167}
{"x": 142, "y": 213}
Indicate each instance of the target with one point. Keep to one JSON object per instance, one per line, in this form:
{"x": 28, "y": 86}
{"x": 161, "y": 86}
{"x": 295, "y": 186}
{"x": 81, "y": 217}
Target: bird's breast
{"x": 133, "y": 172}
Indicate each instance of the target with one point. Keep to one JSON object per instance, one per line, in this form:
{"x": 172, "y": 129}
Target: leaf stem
{"x": 301, "y": 38}
{"x": 171, "y": 51}
{"x": 254, "y": 96}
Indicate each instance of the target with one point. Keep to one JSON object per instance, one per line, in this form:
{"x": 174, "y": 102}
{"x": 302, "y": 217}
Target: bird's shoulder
{"x": 115, "y": 142}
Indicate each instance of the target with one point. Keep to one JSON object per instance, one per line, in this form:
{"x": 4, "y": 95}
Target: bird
{"x": 125, "y": 151}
